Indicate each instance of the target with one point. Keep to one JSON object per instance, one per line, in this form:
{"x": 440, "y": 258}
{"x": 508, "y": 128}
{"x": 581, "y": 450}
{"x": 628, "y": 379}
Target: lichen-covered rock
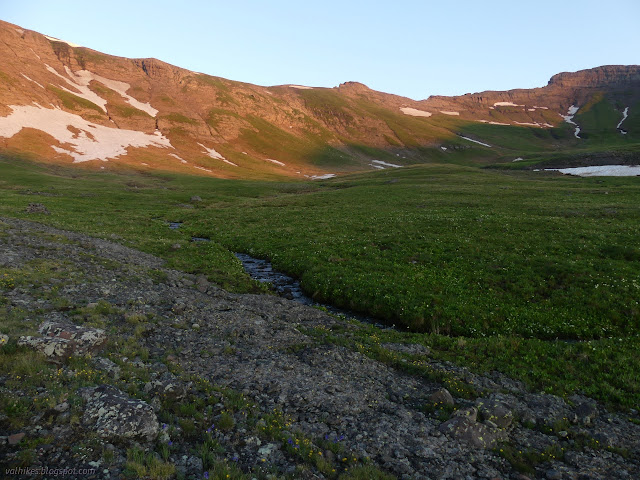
{"x": 84, "y": 339}
{"x": 106, "y": 365}
{"x": 442, "y": 396}
{"x": 115, "y": 416}
{"x": 57, "y": 350}
{"x": 586, "y": 412}
{"x": 166, "y": 386}
{"x": 4, "y": 339}
{"x": 475, "y": 434}
{"x": 37, "y": 208}
{"x": 495, "y": 412}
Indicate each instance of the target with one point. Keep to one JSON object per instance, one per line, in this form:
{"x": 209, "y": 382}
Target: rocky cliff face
{"x": 624, "y": 76}
{"x": 65, "y": 103}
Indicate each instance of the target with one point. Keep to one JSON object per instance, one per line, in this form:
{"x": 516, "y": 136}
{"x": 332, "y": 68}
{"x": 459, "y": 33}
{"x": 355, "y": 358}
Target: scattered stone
{"x": 83, "y": 339}
{"x": 471, "y": 413}
{"x": 15, "y": 438}
{"x": 586, "y": 412}
{"x": 114, "y": 416}
{"x": 442, "y": 397}
{"x": 57, "y": 350}
{"x": 106, "y": 365}
{"x": 37, "y": 208}
{"x": 202, "y": 284}
{"x": 408, "y": 348}
{"x": 166, "y": 386}
{"x": 475, "y": 434}
{"x": 176, "y": 246}
{"x": 196, "y": 198}
{"x": 495, "y": 412}
{"x": 4, "y": 339}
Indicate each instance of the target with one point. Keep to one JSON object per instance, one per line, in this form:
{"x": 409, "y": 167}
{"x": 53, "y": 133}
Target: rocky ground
{"x": 112, "y": 363}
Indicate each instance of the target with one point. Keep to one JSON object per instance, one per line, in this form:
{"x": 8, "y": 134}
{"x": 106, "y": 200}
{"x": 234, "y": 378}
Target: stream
{"x": 289, "y": 288}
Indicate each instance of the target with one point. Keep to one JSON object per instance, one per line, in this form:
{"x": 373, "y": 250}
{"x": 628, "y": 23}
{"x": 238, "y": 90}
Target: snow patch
{"x": 93, "y": 142}
{"x": 81, "y": 79}
{"x": 379, "y": 167}
{"x": 569, "y": 119}
{"x": 506, "y": 104}
{"x": 323, "y": 177}
{"x": 54, "y": 39}
{"x": 82, "y": 89}
{"x": 475, "y": 141}
{"x": 178, "y": 157}
{"x": 414, "y": 112}
{"x": 19, "y": 30}
{"x": 519, "y": 159}
{"x": 444, "y": 148}
{"x": 202, "y": 168}
{"x": 449, "y": 113}
{"x": 494, "y": 123}
{"x": 534, "y": 124}
{"x": 625, "y": 114}
{"x": 40, "y": 85}
{"x": 275, "y": 161}
{"x": 120, "y": 87}
{"x": 300, "y": 87}
{"x": 600, "y": 171}
{"x": 213, "y": 154}
{"x": 541, "y": 108}
{"x": 385, "y": 164}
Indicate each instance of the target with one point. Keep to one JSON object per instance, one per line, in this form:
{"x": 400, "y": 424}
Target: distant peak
{"x": 354, "y": 87}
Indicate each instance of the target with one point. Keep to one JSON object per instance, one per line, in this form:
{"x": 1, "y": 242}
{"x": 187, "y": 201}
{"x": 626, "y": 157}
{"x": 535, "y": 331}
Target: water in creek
{"x": 288, "y": 287}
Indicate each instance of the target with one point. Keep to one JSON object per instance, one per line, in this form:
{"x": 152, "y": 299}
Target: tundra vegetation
{"x": 533, "y": 274}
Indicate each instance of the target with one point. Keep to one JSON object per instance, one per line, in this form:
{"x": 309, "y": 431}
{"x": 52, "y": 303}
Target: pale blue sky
{"x": 407, "y": 47}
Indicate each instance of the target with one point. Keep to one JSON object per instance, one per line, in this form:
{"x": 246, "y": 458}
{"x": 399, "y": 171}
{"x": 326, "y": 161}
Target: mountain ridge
{"x": 157, "y": 115}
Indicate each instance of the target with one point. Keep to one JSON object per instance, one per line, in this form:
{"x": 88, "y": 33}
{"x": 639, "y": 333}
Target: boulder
{"x": 442, "y": 397}
{"x": 84, "y": 339}
{"x": 586, "y": 412}
{"x": 475, "y": 434}
{"x": 37, "y": 208}
{"x": 166, "y": 386}
{"x": 106, "y": 365}
{"x": 57, "y": 350}
{"x": 115, "y": 416}
{"x": 495, "y": 412}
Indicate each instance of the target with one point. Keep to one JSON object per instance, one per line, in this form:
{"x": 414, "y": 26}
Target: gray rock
{"x": 196, "y": 198}
{"x": 4, "y": 339}
{"x": 442, "y": 397}
{"x": 57, "y": 350}
{"x": 84, "y": 340}
{"x": 106, "y": 365}
{"x": 114, "y": 416}
{"x": 37, "y": 208}
{"x": 496, "y": 412}
{"x": 586, "y": 412}
{"x": 166, "y": 386}
{"x": 475, "y": 434}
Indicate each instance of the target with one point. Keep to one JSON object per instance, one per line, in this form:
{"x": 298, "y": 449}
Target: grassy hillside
{"x": 529, "y": 273}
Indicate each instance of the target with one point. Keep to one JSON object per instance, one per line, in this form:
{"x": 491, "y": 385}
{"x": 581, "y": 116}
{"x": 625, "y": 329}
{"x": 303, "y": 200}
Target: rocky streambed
{"x": 252, "y": 386}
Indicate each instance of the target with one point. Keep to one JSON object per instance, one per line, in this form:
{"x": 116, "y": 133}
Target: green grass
{"x": 128, "y": 112}
{"x": 179, "y": 118}
{"x": 535, "y": 274}
{"x": 74, "y": 102}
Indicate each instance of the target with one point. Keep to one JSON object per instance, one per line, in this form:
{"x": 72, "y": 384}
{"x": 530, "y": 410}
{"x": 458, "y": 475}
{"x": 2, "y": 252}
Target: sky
{"x": 411, "y": 48}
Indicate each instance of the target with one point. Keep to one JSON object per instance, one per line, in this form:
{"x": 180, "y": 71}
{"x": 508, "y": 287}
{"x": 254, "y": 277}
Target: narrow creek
{"x": 284, "y": 285}
{"x": 289, "y": 288}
